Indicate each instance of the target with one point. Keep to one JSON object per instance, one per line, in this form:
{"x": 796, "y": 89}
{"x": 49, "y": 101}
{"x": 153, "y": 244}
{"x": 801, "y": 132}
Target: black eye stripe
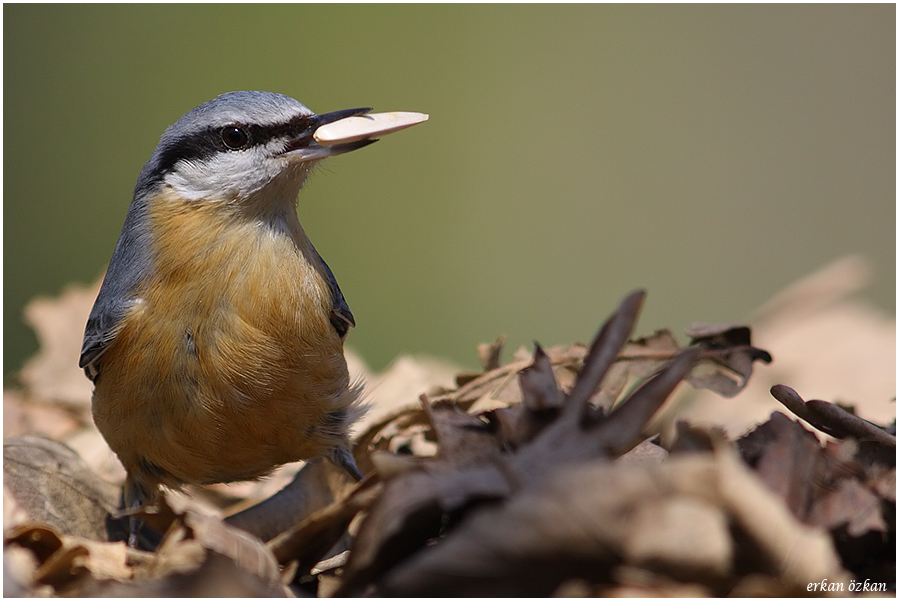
{"x": 263, "y": 134}
{"x": 203, "y": 144}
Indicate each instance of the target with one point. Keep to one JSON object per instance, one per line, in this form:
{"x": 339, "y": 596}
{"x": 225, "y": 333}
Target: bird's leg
{"x": 134, "y": 497}
{"x": 343, "y": 459}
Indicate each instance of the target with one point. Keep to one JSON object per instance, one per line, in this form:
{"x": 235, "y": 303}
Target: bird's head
{"x": 241, "y": 146}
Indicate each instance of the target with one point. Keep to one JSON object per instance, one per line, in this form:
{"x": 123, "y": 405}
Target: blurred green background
{"x": 711, "y": 154}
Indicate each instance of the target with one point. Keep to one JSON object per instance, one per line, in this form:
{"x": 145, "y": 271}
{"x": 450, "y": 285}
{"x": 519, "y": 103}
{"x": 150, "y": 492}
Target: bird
{"x": 215, "y": 344}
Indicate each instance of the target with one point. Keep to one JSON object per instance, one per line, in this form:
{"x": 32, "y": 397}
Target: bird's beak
{"x": 306, "y": 148}
{"x": 335, "y": 133}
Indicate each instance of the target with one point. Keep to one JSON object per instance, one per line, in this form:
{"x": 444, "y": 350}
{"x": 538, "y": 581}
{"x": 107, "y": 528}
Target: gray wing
{"x": 341, "y": 317}
{"x": 129, "y": 266}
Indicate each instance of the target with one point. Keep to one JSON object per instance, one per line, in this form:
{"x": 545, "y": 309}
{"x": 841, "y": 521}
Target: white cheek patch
{"x": 224, "y": 176}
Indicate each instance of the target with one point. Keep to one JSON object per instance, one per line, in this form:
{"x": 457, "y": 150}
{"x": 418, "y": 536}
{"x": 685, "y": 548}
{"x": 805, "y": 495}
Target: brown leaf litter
{"x": 541, "y": 476}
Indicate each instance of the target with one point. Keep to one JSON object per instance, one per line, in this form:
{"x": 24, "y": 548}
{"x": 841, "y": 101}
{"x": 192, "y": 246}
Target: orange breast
{"x": 230, "y": 366}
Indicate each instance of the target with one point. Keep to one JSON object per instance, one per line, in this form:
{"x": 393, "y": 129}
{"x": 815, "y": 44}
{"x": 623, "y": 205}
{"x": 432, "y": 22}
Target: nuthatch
{"x": 216, "y": 342}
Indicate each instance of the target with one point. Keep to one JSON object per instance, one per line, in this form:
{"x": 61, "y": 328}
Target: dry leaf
{"x": 312, "y": 489}
{"x": 530, "y": 478}
{"x": 728, "y": 359}
{"x": 308, "y": 541}
{"x": 830, "y": 418}
{"x": 189, "y": 542}
{"x": 787, "y": 458}
{"x": 852, "y": 505}
{"x": 583, "y": 521}
{"x": 53, "y": 374}
{"x": 829, "y": 343}
{"x": 474, "y": 464}
{"x": 53, "y": 486}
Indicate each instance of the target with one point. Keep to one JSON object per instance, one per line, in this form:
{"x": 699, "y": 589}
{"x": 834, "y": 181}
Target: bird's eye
{"x": 234, "y": 137}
